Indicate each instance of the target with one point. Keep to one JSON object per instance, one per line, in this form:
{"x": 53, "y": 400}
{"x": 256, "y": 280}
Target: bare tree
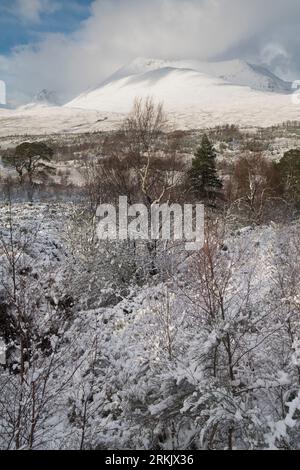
{"x": 253, "y": 188}
{"x": 33, "y": 337}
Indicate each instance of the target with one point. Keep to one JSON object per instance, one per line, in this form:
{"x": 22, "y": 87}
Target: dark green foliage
{"x": 289, "y": 169}
{"x": 203, "y": 176}
{"x": 30, "y": 160}
{"x": 29, "y": 157}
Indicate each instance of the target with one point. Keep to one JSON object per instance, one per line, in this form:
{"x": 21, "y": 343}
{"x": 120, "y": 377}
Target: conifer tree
{"x": 203, "y": 175}
{"x": 30, "y": 160}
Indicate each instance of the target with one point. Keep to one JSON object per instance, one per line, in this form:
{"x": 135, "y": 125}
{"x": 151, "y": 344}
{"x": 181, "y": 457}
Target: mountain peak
{"x": 46, "y": 97}
{"x": 227, "y": 91}
{"x": 235, "y": 72}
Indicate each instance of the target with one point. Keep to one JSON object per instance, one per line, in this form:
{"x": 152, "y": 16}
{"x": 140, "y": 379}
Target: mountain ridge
{"x": 187, "y": 86}
{"x": 236, "y": 72}
{"x": 194, "y": 94}
{"x": 44, "y": 98}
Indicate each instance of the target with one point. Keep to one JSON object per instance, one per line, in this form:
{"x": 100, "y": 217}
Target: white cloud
{"x": 31, "y": 10}
{"x": 276, "y": 57}
{"x": 120, "y": 30}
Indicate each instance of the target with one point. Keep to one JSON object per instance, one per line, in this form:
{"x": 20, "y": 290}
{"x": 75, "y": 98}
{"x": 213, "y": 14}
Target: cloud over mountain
{"x": 117, "y": 31}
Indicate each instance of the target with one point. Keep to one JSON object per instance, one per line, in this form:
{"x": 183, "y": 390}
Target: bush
{"x": 289, "y": 170}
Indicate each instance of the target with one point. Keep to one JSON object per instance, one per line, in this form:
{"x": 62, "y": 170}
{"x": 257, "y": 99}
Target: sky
{"x": 69, "y": 46}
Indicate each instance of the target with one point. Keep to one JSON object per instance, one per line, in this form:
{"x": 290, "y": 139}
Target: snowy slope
{"x": 44, "y": 119}
{"x": 193, "y": 98}
{"x": 236, "y": 72}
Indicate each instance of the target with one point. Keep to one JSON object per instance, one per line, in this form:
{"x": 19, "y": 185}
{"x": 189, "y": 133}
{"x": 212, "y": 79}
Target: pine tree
{"x": 203, "y": 175}
{"x": 30, "y": 160}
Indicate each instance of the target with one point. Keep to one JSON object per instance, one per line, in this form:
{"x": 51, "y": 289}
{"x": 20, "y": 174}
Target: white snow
{"x": 194, "y": 94}
{"x": 192, "y": 98}
{"x": 2, "y": 352}
{"x": 236, "y": 72}
{"x": 40, "y": 119}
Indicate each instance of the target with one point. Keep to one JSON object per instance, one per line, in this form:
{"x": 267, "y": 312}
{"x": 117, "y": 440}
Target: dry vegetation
{"x": 113, "y": 345}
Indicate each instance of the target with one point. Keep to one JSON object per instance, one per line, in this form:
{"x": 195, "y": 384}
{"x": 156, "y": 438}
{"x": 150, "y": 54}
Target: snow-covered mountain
{"x": 196, "y": 93}
{"x": 235, "y": 72}
{"x": 44, "y": 98}
{"x": 47, "y": 97}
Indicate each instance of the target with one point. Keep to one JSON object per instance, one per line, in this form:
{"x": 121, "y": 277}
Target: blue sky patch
{"x": 21, "y": 21}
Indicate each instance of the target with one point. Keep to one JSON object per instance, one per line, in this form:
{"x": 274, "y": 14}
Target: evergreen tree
{"x": 31, "y": 160}
{"x": 203, "y": 175}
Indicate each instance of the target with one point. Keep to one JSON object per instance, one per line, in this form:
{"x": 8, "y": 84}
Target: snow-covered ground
{"x": 122, "y": 372}
{"x": 34, "y": 119}
{"x": 203, "y": 352}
